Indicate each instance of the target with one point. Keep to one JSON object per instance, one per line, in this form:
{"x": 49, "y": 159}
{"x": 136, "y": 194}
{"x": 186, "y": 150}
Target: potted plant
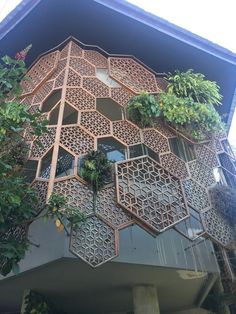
{"x": 96, "y": 170}
{"x": 142, "y": 109}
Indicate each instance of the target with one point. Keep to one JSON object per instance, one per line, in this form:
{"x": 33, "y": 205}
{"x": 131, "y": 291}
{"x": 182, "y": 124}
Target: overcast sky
{"x": 211, "y": 19}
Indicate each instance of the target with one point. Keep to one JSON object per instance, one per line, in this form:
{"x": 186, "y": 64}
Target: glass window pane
{"x": 51, "y": 101}
{"x": 46, "y": 165}
{"x": 109, "y": 108}
{"x": 182, "y": 149}
{"x": 103, "y": 75}
{"x": 65, "y": 163}
{"x": 136, "y": 151}
{"x": 70, "y": 115}
{"x": 29, "y": 170}
{"x": 113, "y": 149}
{"x": 53, "y": 118}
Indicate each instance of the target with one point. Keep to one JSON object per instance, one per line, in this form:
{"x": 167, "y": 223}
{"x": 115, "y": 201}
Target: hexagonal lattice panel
{"x": 18, "y": 233}
{"x": 96, "y": 87}
{"x": 41, "y": 189}
{"x": 157, "y": 142}
{"x": 217, "y": 227}
{"x": 80, "y": 99}
{"x": 76, "y": 51}
{"x": 60, "y": 66}
{"x": 127, "y": 132}
{"x": 121, "y": 96}
{"x": 82, "y": 67}
{"x": 46, "y": 140}
{"x": 94, "y": 242}
{"x": 227, "y": 162}
{"x": 150, "y": 193}
{"x": 164, "y": 129}
{"x": 73, "y": 79}
{"x": 107, "y": 208}
{"x": 201, "y": 173}
{"x": 174, "y": 164}
{"x": 96, "y": 58}
{"x": 132, "y": 74}
{"x": 77, "y": 194}
{"x": 206, "y": 156}
{"x": 43, "y": 92}
{"x": 196, "y": 195}
{"x": 40, "y": 72}
{"x": 76, "y": 140}
{"x": 59, "y": 81}
{"x": 96, "y": 123}
{"x": 215, "y": 145}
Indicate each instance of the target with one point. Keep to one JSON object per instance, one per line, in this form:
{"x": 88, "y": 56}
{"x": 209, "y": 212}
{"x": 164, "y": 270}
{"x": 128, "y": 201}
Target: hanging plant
{"x": 143, "y": 109}
{"x": 96, "y": 170}
{"x": 188, "y": 104}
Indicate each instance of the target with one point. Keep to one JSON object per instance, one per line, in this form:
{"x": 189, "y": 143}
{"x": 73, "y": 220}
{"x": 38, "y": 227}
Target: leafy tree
{"x": 18, "y": 201}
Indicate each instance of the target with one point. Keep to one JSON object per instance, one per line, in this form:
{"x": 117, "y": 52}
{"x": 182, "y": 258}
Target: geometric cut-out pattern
{"x": 94, "y": 242}
{"x": 149, "y": 193}
{"x": 133, "y": 75}
{"x": 223, "y": 233}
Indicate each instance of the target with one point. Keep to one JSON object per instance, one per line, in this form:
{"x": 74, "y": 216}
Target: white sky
{"x": 211, "y": 19}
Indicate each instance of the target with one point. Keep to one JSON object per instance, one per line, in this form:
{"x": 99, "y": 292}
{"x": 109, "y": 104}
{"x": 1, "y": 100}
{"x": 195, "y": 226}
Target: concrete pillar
{"x": 23, "y": 304}
{"x": 145, "y": 300}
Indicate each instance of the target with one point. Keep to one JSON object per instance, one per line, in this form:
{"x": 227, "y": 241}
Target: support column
{"x": 23, "y": 305}
{"x": 145, "y": 300}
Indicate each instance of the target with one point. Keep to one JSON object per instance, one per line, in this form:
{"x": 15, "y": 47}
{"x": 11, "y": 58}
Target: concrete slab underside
{"x": 77, "y": 288}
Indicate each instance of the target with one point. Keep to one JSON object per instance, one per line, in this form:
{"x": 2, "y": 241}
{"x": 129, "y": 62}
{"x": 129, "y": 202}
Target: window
{"x": 141, "y": 150}
{"x": 29, "y": 170}
{"x": 51, "y": 101}
{"x": 53, "y": 117}
{"x": 70, "y": 115}
{"x": 45, "y": 167}
{"x": 65, "y": 163}
{"x": 103, "y": 75}
{"x": 113, "y": 149}
{"x": 191, "y": 227}
{"x": 182, "y": 149}
{"x": 110, "y": 109}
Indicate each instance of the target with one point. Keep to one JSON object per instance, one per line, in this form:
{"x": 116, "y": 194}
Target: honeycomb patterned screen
{"x": 83, "y": 93}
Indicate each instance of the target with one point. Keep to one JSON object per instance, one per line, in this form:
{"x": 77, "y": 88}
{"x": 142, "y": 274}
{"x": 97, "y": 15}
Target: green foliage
{"x": 17, "y": 199}
{"x": 194, "y": 86}
{"x": 188, "y": 105}
{"x": 18, "y": 205}
{"x": 38, "y": 304}
{"x": 96, "y": 170}
{"x": 199, "y": 120}
{"x": 64, "y": 216}
{"x": 143, "y": 109}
